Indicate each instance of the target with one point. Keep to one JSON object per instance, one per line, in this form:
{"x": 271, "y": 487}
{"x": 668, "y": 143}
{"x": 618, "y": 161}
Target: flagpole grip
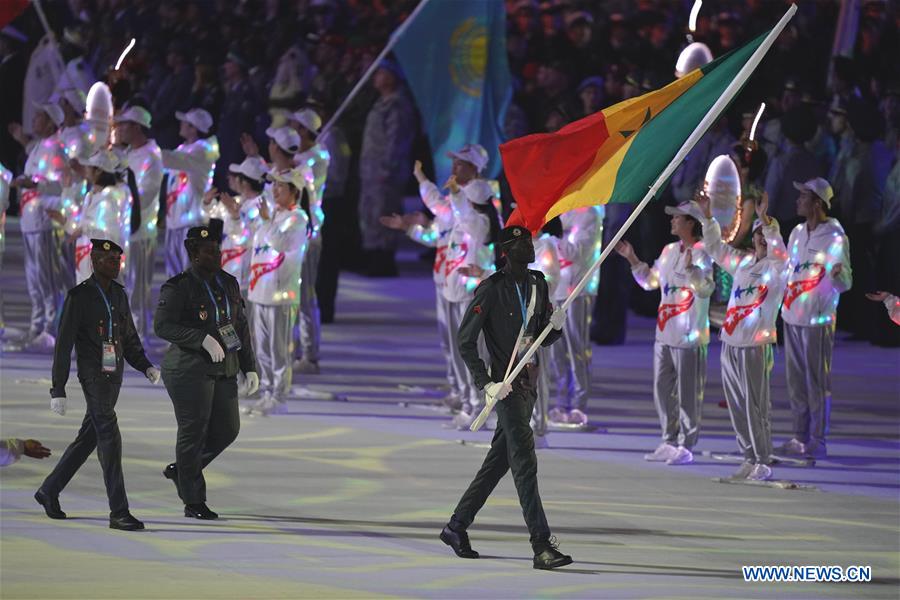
{"x": 372, "y": 67}
{"x": 714, "y": 113}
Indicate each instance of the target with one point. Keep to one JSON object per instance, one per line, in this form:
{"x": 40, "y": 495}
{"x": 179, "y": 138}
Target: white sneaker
{"x": 307, "y": 367}
{"x": 43, "y": 343}
{"x": 558, "y": 416}
{"x": 663, "y": 453}
{"x": 745, "y": 469}
{"x": 249, "y": 408}
{"x": 760, "y": 472}
{"x": 577, "y": 418}
{"x": 683, "y": 456}
{"x": 463, "y": 420}
{"x": 270, "y": 406}
{"x": 794, "y": 447}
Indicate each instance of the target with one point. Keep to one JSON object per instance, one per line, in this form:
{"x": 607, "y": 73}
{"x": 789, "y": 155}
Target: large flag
{"x": 614, "y": 155}
{"x": 454, "y": 57}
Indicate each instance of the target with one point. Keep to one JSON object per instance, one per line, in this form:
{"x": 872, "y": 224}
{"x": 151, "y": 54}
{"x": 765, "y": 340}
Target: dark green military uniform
{"x": 203, "y": 393}
{"x": 497, "y": 311}
{"x": 88, "y": 326}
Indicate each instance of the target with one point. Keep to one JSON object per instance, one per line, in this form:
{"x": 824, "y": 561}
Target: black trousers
{"x": 100, "y": 430}
{"x": 206, "y": 410}
{"x": 511, "y": 449}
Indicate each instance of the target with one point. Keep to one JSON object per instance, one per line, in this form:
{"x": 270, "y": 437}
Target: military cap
{"x": 511, "y": 234}
{"x": 211, "y": 232}
{"x": 98, "y": 245}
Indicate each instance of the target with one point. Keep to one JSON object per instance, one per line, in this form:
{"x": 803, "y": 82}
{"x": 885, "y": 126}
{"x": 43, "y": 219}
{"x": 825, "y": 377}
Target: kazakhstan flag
{"x": 454, "y": 57}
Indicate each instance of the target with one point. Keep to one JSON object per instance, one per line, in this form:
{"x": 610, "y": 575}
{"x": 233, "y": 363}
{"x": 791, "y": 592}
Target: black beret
{"x": 105, "y": 246}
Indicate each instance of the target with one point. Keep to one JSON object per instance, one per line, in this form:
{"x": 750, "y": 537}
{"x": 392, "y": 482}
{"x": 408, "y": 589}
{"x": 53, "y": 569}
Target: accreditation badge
{"x": 230, "y": 338}
{"x": 109, "y": 357}
{"x": 524, "y": 345}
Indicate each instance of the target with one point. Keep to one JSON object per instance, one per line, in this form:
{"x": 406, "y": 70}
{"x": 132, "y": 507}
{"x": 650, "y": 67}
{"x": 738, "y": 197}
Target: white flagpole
{"x": 711, "y": 117}
{"x": 384, "y": 52}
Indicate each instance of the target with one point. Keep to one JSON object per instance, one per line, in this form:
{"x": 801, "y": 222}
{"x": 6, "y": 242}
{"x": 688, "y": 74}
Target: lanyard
{"x": 109, "y": 332}
{"x": 522, "y": 303}
{"x": 216, "y": 304}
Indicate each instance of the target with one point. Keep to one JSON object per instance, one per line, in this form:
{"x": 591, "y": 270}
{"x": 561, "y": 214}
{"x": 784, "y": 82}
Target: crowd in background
{"x": 250, "y": 63}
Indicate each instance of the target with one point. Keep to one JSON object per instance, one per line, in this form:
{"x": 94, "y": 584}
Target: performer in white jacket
{"x": 684, "y": 275}
{"x": 315, "y": 158}
{"x": 578, "y": 249}
{"x": 819, "y": 273}
{"x": 748, "y": 332}
{"x": 240, "y": 214}
{"x": 190, "y": 168}
{"x": 279, "y": 245}
{"x": 467, "y": 256}
{"x": 40, "y": 188}
{"x": 106, "y": 213}
{"x": 891, "y": 303}
{"x": 143, "y": 158}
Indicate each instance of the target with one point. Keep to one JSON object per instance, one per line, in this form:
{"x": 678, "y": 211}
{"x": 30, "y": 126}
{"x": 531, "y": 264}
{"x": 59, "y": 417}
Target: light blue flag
{"x": 454, "y": 57}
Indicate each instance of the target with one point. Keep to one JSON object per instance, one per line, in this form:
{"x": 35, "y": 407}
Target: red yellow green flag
{"x": 616, "y": 154}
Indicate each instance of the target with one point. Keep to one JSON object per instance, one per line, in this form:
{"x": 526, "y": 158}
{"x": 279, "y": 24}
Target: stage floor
{"x": 345, "y": 498}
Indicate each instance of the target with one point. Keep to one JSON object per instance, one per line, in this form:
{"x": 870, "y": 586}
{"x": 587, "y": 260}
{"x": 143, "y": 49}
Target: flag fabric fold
{"x": 454, "y": 58}
{"x": 614, "y": 155}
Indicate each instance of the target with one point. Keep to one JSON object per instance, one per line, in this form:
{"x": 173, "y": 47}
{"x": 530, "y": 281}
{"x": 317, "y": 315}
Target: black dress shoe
{"x": 459, "y": 541}
{"x": 547, "y": 556}
{"x": 199, "y": 511}
{"x": 171, "y": 473}
{"x": 50, "y": 504}
{"x": 126, "y": 522}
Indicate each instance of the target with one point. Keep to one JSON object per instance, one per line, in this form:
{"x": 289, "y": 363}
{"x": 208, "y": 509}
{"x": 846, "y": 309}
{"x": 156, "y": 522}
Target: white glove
{"x": 58, "y": 405}
{"x": 153, "y": 375}
{"x": 558, "y": 318}
{"x": 252, "y": 382}
{"x": 214, "y": 349}
{"x": 497, "y": 391}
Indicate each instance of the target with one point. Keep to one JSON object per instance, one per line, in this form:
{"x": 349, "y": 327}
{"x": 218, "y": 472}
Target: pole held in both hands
{"x": 711, "y": 117}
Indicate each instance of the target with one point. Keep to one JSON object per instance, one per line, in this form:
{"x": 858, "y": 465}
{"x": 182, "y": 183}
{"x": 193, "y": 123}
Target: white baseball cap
{"x": 286, "y": 138}
{"x": 296, "y": 177}
{"x": 253, "y": 167}
{"x": 197, "y": 117}
{"x": 689, "y": 208}
{"x": 53, "y": 111}
{"x": 135, "y": 114}
{"x": 75, "y": 98}
{"x": 472, "y": 153}
{"x": 308, "y": 118}
{"x": 819, "y": 187}
{"x": 105, "y": 160}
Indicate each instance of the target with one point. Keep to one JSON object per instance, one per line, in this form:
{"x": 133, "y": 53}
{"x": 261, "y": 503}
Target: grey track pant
{"x": 679, "y": 378}
{"x": 745, "y": 377}
{"x": 272, "y": 327}
{"x": 42, "y": 279}
{"x": 571, "y": 357}
{"x": 176, "y": 254}
{"x": 808, "y": 353}
{"x": 139, "y": 283}
{"x": 309, "y": 316}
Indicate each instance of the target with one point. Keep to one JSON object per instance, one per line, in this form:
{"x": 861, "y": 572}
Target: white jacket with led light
{"x": 812, "y": 293}
{"x": 682, "y": 319}
{"x": 190, "y": 168}
{"x": 579, "y": 248}
{"x": 276, "y": 263}
{"x": 758, "y": 286}
{"x": 106, "y": 214}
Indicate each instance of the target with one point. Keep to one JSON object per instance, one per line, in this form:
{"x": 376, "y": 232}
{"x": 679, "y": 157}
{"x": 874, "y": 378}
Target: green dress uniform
{"x": 204, "y": 393}
{"x": 98, "y": 325}
{"x": 497, "y": 311}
